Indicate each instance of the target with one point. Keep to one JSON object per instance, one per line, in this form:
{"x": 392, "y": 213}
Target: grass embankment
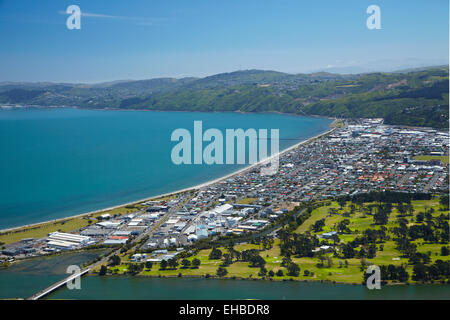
{"x": 66, "y": 225}
{"x": 340, "y": 270}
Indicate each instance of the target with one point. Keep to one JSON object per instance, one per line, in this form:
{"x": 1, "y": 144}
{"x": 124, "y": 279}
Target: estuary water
{"x": 137, "y": 288}
{"x": 23, "y": 279}
{"x": 57, "y": 162}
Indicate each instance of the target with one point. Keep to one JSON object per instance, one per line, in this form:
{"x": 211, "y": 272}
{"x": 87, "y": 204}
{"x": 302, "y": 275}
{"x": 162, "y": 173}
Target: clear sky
{"x": 141, "y": 39}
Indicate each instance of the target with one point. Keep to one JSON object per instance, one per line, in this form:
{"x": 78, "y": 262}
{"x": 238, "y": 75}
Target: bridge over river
{"x": 58, "y": 284}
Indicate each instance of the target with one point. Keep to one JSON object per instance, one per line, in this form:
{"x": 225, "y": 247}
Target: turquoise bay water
{"x": 60, "y": 162}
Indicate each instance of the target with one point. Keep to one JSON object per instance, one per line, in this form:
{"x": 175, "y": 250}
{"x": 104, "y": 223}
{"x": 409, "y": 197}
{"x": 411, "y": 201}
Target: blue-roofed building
{"x": 202, "y": 232}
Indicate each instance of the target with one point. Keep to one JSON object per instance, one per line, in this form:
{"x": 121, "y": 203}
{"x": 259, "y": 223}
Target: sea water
{"x": 57, "y": 162}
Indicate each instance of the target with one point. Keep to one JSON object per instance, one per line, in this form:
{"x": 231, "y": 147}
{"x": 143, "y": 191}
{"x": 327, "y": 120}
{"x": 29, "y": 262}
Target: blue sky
{"x": 143, "y": 39}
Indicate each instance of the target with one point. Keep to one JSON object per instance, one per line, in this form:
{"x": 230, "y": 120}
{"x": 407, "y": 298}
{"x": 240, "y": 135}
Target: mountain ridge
{"x": 413, "y": 97}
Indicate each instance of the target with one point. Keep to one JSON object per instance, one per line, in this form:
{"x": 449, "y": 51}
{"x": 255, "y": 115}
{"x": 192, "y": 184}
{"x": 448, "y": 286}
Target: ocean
{"x": 57, "y": 162}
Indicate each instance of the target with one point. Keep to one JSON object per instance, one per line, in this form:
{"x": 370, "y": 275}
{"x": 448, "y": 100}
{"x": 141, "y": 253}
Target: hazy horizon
{"x": 227, "y": 72}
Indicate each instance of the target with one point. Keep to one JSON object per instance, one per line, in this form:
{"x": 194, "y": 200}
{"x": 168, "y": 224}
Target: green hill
{"x": 416, "y": 98}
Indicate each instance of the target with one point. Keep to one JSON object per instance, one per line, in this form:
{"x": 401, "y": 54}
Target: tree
{"x": 419, "y": 272}
{"x": 262, "y": 272}
{"x": 402, "y": 275}
{"x": 195, "y": 263}
{"x": 114, "y": 260}
{"x": 293, "y": 269}
{"x": 148, "y": 265}
{"x": 444, "y": 200}
{"x": 280, "y": 273}
{"x": 215, "y": 254}
{"x": 321, "y": 259}
{"x": 257, "y": 261}
{"x": 173, "y": 263}
{"x": 237, "y": 254}
{"x": 227, "y": 259}
{"x": 410, "y": 208}
{"x": 271, "y": 273}
{"x": 444, "y": 251}
{"x": 342, "y": 201}
{"x": 372, "y": 251}
{"x": 381, "y": 217}
{"x": 318, "y": 225}
{"x": 103, "y": 270}
{"x": 329, "y": 262}
{"x": 185, "y": 263}
{"x": 342, "y": 226}
{"x": 135, "y": 268}
{"x": 163, "y": 265}
{"x": 401, "y": 208}
{"x": 221, "y": 272}
{"x": 420, "y": 216}
{"x": 348, "y": 251}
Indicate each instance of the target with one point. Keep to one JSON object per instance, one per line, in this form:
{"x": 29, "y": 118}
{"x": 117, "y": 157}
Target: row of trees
{"x": 439, "y": 270}
{"x": 390, "y": 272}
{"x": 173, "y": 264}
{"x": 387, "y": 197}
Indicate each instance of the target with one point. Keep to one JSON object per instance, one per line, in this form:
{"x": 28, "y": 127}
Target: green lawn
{"x": 444, "y": 159}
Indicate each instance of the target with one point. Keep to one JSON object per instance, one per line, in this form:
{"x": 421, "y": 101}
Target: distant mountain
{"x": 412, "y": 97}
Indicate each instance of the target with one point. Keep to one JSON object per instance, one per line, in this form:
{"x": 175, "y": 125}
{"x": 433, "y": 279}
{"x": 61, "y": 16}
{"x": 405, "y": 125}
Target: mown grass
{"x": 246, "y": 201}
{"x": 444, "y": 159}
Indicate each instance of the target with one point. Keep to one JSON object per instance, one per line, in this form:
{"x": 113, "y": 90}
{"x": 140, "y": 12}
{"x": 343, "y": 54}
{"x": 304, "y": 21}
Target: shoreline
{"x": 232, "y": 278}
{"x": 237, "y": 278}
{"x": 195, "y": 187}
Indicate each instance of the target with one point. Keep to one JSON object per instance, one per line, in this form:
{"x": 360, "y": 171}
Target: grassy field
{"x": 444, "y": 159}
{"x": 339, "y": 270}
{"x": 246, "y": 201}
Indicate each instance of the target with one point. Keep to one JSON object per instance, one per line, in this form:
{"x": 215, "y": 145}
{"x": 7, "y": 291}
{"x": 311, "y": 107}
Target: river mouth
{"x": 25, "y": 278}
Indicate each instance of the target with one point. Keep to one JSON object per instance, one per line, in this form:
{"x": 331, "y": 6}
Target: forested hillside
{"x": 416, "y": 98}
